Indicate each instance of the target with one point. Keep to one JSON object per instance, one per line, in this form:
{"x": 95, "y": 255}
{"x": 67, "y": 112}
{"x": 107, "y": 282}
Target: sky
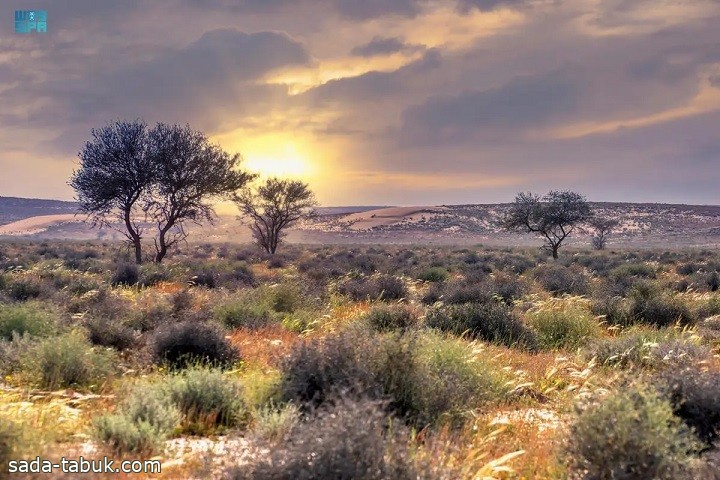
{"x": 382, "y": 102}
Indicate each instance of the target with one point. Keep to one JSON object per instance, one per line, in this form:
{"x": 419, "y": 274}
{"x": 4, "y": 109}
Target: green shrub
{"x": 613, "y": 309}
{"x": 28, "y": 318}
{"x": 69, "y": 360}
{"x": 423, "y": 377}
{"x": 493, "y": 322}
{"x": 433, "y": 274}
{"x": 651, "y": 306}
{"x": 141, "y": 423}
{"x": 242, "y": 313}
{"x": 377, "y": 287}
{"x": 631, "y": 434}
{"x": 559, "y": 280}
{"x": 391, "y": 317}
{"x": 109, "y": 333}
{"x": 190, "y": 342}
{"x": 207, "y": 400}
{"x": 563, "y": 325}
{"x": 273, "y": 424}
{"x": 350, "y": 439}
{"x": 648, "y": 348}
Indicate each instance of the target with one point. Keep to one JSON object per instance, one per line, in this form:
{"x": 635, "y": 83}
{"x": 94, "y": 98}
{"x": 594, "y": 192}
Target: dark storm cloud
{"x": 208, "y": 81}
{"x": 523, "y": 102}
{"x": 384, "y": 46}
{"x": 466, "y": 6}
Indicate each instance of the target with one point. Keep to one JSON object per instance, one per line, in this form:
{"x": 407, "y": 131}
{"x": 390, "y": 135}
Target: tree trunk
{"x": 138, "y": 250}
{"x": 555, "y": 251}
{"x": 136, "y": 241}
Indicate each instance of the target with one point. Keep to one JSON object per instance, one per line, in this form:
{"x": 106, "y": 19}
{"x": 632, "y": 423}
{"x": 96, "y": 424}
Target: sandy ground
{"x": 33, "y": 225}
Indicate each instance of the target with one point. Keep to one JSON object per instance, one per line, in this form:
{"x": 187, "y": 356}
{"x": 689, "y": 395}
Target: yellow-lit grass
{"x": 266, "y": 346}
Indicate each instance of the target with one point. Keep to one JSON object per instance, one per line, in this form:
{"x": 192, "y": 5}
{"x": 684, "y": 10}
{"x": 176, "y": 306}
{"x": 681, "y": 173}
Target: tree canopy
{"x": 275, "y": 206}
{"x": 553, "y": 216}
{"x": 131, "y": 177}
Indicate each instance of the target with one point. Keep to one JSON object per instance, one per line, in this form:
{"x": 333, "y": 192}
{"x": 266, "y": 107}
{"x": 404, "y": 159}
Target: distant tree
{"x": 113, "y": 179}
{"x": 190, "y": 172}
{"x": 275, "y": 206}
{"x": 167, "y": 175}
{"x": 553, "y": 216}
{"x": 601, "y": 227}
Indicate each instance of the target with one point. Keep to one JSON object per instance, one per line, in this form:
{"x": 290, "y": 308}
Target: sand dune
{"x": 33, "y": 225}
{"x": 388, "y": 216}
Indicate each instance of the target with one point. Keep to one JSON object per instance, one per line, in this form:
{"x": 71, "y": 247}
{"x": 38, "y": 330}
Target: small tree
{"x": 553, "y": 216}
{"x": 113, "y": 179}
{"x": 601, "y": 227}
{"x": 275, "y": 206}
{"x": 191, "y": 171}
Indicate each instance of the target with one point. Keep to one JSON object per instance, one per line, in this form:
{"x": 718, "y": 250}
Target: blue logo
{"x": 28, "y": 21}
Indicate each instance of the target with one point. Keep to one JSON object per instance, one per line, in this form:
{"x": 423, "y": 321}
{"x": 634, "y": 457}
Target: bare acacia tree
{"x": 602, "y": 227}
{"x": 553, "y": 216}
{"x": 191, "y": 171}
{"x": 113, "y": 179}
{"x": 275, "y": 206}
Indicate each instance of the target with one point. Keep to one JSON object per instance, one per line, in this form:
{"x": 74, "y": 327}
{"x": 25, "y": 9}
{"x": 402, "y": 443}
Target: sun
{"x": 277, "y": 159}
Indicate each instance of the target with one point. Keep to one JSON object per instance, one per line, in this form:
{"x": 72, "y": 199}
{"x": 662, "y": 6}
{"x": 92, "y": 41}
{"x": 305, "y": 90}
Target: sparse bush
{"x": 648, "y": 348}
{"x": 380, "y": 287}
{"x": 27, "y": 318}
{"x": 242, "y": 313}
{"x": 433, "y": 274}
{"x": 560, "y": 280}
{"x": 276, "y": 262}
{"x": 185, "y": 343}
{"x": 349, "y": 439}
{"x": 631, "y": 434}
{"x": 285, "y": 298}
{"x": 507, "y": 288}
{"x": 614, "y": 310}
{"x": 319, "y": 368}
{"x": 23, "y": 288}
{"x": 203, "y": 279}
{"x": 424, "y": 378}
{"x": 649, "y": 305}
{"x": 69, "y": 360}
{"x": 125, "y": 274}
{"x": 207, "y": 400}
{"x": 562, "y": 325}
{"x": 273, "y": 424}
{"x": 152, "y": 274}
{"x": 695, "y": 398}
{"x": 391, "y": 317}
{"x": 108, "y": 333}
{"x": 141, "y": 422}
{"x": 492, "y": 322}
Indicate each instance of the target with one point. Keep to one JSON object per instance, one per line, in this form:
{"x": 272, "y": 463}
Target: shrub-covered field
{"x": 329, "y": 362}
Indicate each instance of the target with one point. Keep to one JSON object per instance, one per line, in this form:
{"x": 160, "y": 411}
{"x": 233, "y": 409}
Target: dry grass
{"x": 264, "y": 347}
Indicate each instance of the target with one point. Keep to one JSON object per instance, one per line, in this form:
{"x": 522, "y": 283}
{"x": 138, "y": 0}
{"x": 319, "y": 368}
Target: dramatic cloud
{"x": 384, "y": 46}
{"x": 383, "y": 101}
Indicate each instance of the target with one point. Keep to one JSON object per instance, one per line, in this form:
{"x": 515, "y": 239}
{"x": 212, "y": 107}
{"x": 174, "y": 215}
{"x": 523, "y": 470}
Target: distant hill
{"x": 641, "y": 225}
{"x": 13, "y": 209}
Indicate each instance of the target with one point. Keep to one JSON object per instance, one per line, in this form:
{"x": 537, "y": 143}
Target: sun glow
{"x": 273, "y": 157}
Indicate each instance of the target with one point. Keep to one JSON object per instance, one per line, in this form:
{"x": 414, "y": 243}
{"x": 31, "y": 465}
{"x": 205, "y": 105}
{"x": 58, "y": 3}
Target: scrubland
{"x": 380, "y": 362}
